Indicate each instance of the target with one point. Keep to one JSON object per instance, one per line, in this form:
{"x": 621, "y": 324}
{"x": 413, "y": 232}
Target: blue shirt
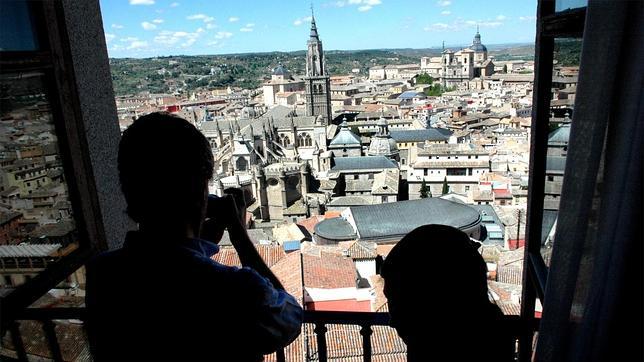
{"x": 168, "y": 300}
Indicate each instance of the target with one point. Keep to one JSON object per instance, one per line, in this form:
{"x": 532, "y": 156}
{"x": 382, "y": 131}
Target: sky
{"x": 148, "y": 28}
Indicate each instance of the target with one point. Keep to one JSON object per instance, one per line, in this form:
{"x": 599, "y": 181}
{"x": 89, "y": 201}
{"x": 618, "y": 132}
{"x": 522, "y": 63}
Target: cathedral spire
{"x": 314, "y": 28}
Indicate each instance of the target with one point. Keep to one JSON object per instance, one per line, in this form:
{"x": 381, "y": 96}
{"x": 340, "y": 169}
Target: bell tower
{"x": 318, "y": 95}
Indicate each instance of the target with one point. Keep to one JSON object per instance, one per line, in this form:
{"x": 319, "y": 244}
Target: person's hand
{"x": 225, "y": 212}
{"x": 222, "y": 214}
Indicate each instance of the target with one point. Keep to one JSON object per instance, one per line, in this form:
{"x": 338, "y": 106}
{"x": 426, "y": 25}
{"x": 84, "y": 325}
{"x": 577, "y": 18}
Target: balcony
{"x": 60, "y": 336}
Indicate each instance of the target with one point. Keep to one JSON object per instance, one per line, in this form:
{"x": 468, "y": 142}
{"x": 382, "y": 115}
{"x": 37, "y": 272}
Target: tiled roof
{"x": 328, "y": 271}
{"x": 362, "y": 250}
{"x": 287, "y": 270}
{"x": 384, "y": 249}
{"x": 71, "y": 339}
{"x": 37, "y": 250}
{"x": 386, "y": 182}
{"x": 362, "y": 163}
{"x": 420, "y": 135}
{"x": 270, "y": 254}
{"x": 344, "y": 343}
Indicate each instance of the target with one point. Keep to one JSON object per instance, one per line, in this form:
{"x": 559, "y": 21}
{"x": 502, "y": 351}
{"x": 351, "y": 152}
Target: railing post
{"x": 320, "y": 334}
{"x": 366, "y": 332}
{"x": 279, "y": 355}
{"x": 50, "y": 333}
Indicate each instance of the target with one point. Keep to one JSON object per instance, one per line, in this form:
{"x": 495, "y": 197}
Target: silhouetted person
{"x": 436, "y": 287}
{"x": 161, "y": 297}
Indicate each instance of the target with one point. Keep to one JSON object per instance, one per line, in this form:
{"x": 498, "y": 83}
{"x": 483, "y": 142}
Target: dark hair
{"x": 164, "y": 165}
{"x": 440, "y": 255}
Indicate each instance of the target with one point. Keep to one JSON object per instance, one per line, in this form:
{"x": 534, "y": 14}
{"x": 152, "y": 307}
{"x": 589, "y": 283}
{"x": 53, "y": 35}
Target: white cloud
{"x": 137, "y": 44}
{"x": 157, "y": 21}
{"x": 501, "y": 17}
{"x": 446, "y": 12}
{"x": 444, "y": 3}
{"x": 205, "y": 18}
{"x": 365, "y": 5}
{"x": 223, "y": 35}
{"x": 233, "y": 19}
{"x": 437, "y": 27}
{"x": 301, "y": 21}
{"x": 248, "y": 28}
{"x": 527, "y": 18}
{"x": 214, "y": 42}
{"x": 141, "y": 2}
{"x": 148, "y": 26}
{"x": 460, "y": 24}
{"x": 200, "y": 30}
{"x": 109, "y": 37}
{"x": 117, "y": 26}
{"x": 129, "y": 39}
{"x": 172, "y": 38}
{"x": 211, "y": 26}
{"x": 174, "y": 5}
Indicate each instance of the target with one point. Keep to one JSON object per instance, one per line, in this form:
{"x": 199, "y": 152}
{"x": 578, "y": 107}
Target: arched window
{"x": 308, "y": 141}
{"x": 284, "y": 140}
{"x": 300, "y": 140}
{"x": 241, "y": 164}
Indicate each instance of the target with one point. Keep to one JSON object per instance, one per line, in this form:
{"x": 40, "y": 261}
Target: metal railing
{"x": 318, "y": 319}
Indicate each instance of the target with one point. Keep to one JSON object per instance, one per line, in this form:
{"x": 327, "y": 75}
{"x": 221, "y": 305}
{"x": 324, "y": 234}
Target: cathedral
{"x": 275, "y": 155}
{"x": 465, "y": 64}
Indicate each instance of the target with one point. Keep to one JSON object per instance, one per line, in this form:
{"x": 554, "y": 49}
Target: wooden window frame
{"x": 54, "y": 59}
{"x": 550, "y": 25}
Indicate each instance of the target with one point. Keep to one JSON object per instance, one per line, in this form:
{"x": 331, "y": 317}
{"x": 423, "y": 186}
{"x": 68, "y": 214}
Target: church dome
{"x": 280, "y": 70}
{"x": 345, "y": 136}
{"x": 477, "y": 46}
{"x": 382, "y": 144}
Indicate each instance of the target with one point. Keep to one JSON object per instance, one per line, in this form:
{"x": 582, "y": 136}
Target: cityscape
{"x": 339, "y": 162}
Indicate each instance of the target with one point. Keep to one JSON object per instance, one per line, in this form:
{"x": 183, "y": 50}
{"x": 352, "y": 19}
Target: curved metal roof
{"x": 335, "y": 229}
{"x": 396, "y": 219}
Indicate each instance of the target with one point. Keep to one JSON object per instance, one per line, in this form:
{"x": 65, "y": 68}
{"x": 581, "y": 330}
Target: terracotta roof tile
{"x": 271, "y": 254}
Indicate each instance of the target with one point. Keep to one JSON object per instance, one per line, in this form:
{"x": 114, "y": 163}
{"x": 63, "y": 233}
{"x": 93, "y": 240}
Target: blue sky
{"x": 146, "y": 28}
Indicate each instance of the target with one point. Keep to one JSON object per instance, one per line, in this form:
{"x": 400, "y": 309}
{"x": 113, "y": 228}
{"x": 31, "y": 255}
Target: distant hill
{"x": 189, "y": 73}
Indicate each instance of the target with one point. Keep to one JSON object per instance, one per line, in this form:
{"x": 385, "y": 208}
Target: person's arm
{"x": 248, "y": 255}
{"x": 228, "y": 216}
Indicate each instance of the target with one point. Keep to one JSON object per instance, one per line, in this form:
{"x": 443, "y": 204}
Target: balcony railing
{"x": 318, "y": 320}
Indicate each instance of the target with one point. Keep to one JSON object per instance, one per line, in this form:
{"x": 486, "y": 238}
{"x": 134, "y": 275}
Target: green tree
{"x": 424, "y": 79}
{"x": 423, "y": 190}
{"x": 445, "y": 186}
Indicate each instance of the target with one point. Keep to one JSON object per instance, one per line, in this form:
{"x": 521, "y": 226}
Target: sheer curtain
{"x": 593, "y": 303}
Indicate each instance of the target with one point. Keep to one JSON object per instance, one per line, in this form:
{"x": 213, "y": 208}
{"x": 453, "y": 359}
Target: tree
{"x": 505, "y": 68}
{"x": 445, "y": 186}
{"x": 423, "y": 190}
{"x": 424, "y": 79}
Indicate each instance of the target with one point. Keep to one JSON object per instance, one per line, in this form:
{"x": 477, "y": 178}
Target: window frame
{"x": 54, "y": 60}
{"x": 550, "y": 25}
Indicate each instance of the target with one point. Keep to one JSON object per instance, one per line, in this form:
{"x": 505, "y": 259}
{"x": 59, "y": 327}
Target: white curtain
{"x": 593, "y": 302}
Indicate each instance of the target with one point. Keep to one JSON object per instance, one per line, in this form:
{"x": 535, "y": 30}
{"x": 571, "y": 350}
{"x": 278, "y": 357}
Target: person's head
{"x": 164, "y": 166}
{"x": 434, "y": 272}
